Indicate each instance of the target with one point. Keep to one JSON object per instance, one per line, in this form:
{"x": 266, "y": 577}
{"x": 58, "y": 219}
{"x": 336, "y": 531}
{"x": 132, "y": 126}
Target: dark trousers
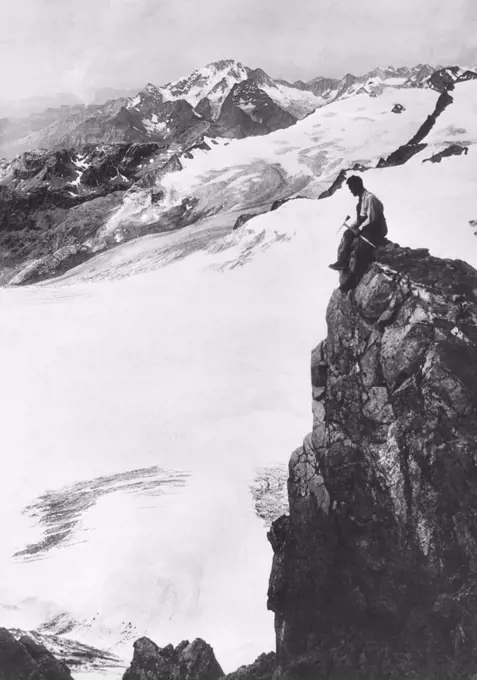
{"x": 345, "y": 248}
{"x": 354, "y": 254}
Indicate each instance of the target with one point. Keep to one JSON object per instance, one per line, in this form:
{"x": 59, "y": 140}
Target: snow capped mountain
{"x": 372, "y": 83}
{"x": 419, "y": 75}
{"x": 211, "y": 81}
{"x": 148, "y": 95}
{"x": 197, "y": 101}
{"x": 210, "y": 105}
{"x": 207, "y": 88}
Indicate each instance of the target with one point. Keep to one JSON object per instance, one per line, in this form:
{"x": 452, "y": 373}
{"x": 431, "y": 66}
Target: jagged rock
{"x": 452, "y": 150}
{"x": 262, "y": 668}
{"x": 248, "y": 110}
{"x": 24, "y": 659}
{"x": 341, "y": 178}
{"x": 415, "y": 145}
{"x": 188, "y": 661}
{"x": 398, "y": 108}
{"x": 204, "y": 109}
{"x": 444, "y": 79}
{"x": 374, "y": 572}
{"x": 281, "y": 201}
{"x": 242, "y": 219}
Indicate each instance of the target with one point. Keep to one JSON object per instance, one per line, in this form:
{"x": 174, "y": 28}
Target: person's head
{"x": 355, "y": 184}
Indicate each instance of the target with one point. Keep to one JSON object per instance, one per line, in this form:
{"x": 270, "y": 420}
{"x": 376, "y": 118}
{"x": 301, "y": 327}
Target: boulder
{"x": 188, "y": 661}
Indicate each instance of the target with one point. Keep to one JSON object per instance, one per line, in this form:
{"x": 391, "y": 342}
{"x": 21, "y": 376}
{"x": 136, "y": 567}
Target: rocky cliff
{"x": 375, "y": 569}
{"x": 24, "y": 659}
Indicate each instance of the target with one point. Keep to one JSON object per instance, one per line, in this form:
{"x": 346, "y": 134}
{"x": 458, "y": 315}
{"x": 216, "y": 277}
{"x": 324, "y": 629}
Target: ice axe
{"x": 344, "y": 224}
{"x": 363, "y": 238}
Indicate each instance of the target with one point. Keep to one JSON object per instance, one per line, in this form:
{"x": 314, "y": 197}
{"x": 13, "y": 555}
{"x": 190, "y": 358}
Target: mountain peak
{"x": 151, "y": 90}
{"x": 224, "y": 64}
{"x": 202, "y": 82}
{"x": 259, "y": 76}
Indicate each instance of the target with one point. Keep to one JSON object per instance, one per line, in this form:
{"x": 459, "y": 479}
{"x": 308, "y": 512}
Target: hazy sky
{"x": 47, "y": 46}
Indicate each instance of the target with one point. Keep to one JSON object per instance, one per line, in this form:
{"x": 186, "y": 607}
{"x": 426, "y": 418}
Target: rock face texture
{"x": 452, "y": 150}
{"x": 262, "y": 668}
{"x": 249, "y": 111}
{"x": 24, "y": 659}
{"x": 375, "y": 568}
{"x": 188, "y": 661}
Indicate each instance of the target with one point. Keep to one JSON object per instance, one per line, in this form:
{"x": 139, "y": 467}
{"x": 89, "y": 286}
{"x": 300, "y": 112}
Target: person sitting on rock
{"x": 367, "y": 232}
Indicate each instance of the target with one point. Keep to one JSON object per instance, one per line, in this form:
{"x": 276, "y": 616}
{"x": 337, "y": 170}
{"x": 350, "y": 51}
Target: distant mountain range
{"x": 78, "y": 163}
{"x": 222, "y": 99}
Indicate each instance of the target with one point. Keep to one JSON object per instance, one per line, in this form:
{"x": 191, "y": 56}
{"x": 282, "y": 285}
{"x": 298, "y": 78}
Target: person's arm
{"x": 369, "y": 212}
{"x": 355, "y": 224}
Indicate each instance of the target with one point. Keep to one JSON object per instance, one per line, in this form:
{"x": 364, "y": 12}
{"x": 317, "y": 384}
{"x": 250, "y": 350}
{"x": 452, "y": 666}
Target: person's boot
{"x": 337, "y": 267}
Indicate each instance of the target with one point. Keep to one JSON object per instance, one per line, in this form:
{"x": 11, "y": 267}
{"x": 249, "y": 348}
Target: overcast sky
{"x": 49, "y": 46}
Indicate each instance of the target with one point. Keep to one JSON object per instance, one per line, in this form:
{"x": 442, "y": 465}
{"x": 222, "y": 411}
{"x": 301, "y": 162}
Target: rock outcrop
{"x": 416, "y": 144}
{"x": 25, "y": 659}
{"x": 262, "y": 668}
{"x": 249, "y": 111}
{"x": 375, "y": 568}
{"x": 452, "y": 150}
{"x": 188, "y": 661}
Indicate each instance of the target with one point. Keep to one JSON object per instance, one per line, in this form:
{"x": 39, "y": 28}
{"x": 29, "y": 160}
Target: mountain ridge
{"x": 205, "y": 90}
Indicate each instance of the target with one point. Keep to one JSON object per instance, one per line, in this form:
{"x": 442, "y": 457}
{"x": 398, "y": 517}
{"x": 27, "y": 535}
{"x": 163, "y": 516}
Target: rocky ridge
{"x": 374, "y": 571}
{"x": 191, "y": 105}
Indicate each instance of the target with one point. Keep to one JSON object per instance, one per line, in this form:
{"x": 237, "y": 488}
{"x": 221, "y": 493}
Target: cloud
{"x": 53, "y": 45}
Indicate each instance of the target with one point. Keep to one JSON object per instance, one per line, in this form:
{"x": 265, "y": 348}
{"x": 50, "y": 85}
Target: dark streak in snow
{"x": 59, "y": 512}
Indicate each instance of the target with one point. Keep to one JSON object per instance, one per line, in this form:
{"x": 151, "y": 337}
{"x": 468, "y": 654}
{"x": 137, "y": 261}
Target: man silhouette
{"x": 366, "y": 232}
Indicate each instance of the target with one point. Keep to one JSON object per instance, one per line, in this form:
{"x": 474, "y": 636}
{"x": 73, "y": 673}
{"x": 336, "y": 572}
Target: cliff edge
{"x": 375, "y": 568}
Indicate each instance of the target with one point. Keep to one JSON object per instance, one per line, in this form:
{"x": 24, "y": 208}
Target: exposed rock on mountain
{"x": 146, "y": 117}
{"x": 242, "y": 219}
{"x": 248, "y": 110}
{"x": 322, "y": 87}
{"x": 419, "y": 76}
{"x": 77, "y": 656}
{"x": 212, "y": 81}
{"x": 415, "y": 145}
{"x": 374, "y": 571}
{"x": 398, "y": 108}
{"x": 188, "y": 661}
{"x": 341, "y": 178}
{"x": 444, "y": 79}
{"x": 452, "y": 150}
{"x": 54, "y": 203}
{"x": 188, "y": 106}
{"x": 372, "y": 83}
{"x": 261, "y": 669}
{"x": 260, "y": 78}
{"x": 24, "y": 659}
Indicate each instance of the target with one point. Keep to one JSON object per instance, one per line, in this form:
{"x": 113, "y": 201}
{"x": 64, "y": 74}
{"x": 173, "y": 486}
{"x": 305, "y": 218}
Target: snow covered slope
{"x": 249, "y": 174}
{"x": 140, "y": 411}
